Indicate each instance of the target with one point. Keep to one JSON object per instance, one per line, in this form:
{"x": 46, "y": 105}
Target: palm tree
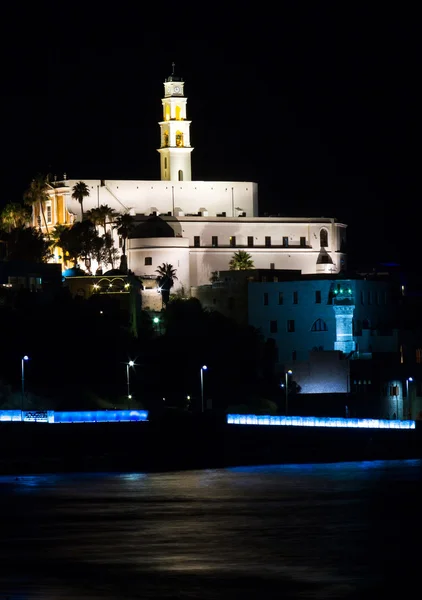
{"x": 241, "y": 261}
{"x": 14, "y": 215}
{"x": 37, "y": 194}
{"x": 124, "y": 225}
{"x": 80, "y": 191}
{"x": 105, "y": 215}
{"x": 55, "y": 239}
{"x": 165, "y": 279}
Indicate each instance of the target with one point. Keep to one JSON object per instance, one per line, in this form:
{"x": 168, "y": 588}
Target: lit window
{"x": 319, "y": 325}
{"x": 48, "y": 213}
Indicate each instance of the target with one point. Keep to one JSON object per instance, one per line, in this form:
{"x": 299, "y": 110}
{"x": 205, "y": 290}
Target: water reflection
{"x": 292, "y": 531}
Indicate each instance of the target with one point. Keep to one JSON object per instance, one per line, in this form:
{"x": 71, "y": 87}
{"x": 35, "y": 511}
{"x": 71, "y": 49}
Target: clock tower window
{"x": 179, "y": 139}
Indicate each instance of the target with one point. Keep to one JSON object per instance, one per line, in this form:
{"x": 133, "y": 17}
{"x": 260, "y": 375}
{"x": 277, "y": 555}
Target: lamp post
{"x": 409, "y": 410}
{"x": 129, "y": 364}
{"x": 24, "y": 359}
{"x": 203, "y": 368}
{"x": 289, "y": 372}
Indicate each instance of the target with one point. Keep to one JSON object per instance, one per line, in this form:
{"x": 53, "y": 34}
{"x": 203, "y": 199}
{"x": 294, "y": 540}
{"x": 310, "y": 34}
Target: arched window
{"x": 323, "y": 238}
{"x": 167, "y": 113}
{"x": 180, "y": 175}
{"x": 177, "y": 113}
{"x": 165, "y": 138}
{"x": 319, "y": 325}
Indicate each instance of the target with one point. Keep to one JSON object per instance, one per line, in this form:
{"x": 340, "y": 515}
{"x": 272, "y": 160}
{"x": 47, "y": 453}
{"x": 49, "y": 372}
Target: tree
{"x": 14, "y": 215}
{"x": 37, "y": 194}
{"x": 165, "y": 279}
{"x": 79, "y": 192}
{"x": 28, "y": 244}
{"x": 241, "y": 261}
{"x": 124, "y": 224}
{"x": 79, "y": 241}
{"x": 103, "y": 215}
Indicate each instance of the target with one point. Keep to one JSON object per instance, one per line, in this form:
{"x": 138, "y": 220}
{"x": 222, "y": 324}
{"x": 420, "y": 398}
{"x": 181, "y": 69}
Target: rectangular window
{"x": 303, "y": 242}
{"x": 48, "y": 213}
{"x": 196, "y": 241}
{"x": 272, "y": 265}
{"x": 280, "y": 298}
{"x": 148, "y": 261}
{"x": 290, "y": 326}
{"x": 273, "y": 326}
{"x": 232, "y": 240}
{"x": 265, "y": 298}
{"x": 295, "y": 298}
{"x": 286, "y": 242}
{"x": 318, "y": 297}
{"x": 268, "y": 241}
{"x": 250, "y": 241}
{"x": 214, "y": 241}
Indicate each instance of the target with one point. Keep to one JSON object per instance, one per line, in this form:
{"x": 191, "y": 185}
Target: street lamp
{"x": 129, "y": 364}
{"x": 409, "y": 411}
{"x": 24, "y": 359}
{"x": 203, "y": 368}
{"x": 289, "y": 372}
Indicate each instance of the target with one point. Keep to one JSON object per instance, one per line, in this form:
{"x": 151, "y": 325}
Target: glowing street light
{"x": 409, "y": 409}
{"x": 129, "y": 364}
{"x": 289, "y": 372}
{"x": 24, "y": 359}
{"x": 203, "y": 368}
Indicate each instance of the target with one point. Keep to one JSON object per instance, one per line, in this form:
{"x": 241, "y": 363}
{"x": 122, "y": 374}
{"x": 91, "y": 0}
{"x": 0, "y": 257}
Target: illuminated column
{"x": 344, "y": 328}
{"x": 175, "y": 149}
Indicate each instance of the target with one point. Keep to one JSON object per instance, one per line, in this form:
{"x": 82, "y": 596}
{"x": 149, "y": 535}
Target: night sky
{"x": 319, "y": 106}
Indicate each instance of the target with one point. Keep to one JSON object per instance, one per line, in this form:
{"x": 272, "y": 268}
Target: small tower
{"x": 175, "y": 150}
{"x": 344, "y": 307}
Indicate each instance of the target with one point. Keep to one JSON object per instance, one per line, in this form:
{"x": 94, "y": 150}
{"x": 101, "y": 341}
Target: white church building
{"x": 198, "y": 225}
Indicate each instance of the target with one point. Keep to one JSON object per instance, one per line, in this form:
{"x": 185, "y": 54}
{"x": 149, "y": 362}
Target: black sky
{"x": 318, "y": 105}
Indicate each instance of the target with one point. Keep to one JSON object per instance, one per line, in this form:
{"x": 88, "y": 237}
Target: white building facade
{"x": 204, "y": 223}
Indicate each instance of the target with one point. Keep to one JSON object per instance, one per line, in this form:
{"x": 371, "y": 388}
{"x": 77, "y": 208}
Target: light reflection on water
{"x": 297, "y": 531}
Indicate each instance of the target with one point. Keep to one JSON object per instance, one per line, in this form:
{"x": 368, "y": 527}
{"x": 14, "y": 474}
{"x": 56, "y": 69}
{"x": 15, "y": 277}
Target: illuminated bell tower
{"x": 175, "y": 150}
{"x": 344, "y": 307}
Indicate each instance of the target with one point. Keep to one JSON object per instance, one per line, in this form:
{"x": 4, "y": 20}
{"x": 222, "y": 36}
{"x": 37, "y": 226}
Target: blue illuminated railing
{"x": 319, "y": 422}
{"x": 84, "y": 416}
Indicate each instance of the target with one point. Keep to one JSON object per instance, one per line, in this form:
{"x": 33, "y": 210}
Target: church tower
{"x": 175, "y": 150}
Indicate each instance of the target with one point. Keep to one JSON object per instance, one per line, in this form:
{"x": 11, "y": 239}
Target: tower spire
{"x": 172, "y": 66}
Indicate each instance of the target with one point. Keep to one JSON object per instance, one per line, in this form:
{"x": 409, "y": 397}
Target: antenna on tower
{"x": 173, "y": 65}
